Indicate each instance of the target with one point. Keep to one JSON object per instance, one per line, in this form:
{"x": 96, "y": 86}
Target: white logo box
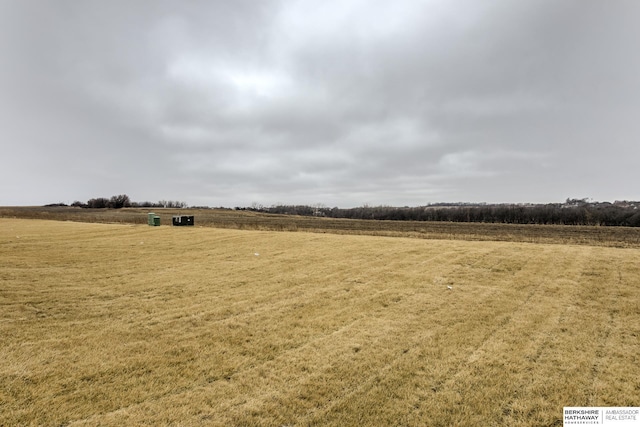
{"x": 612, "y": 416}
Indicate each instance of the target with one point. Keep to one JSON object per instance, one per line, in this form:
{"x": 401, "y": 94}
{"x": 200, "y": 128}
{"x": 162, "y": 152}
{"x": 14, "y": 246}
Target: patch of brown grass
{"x": 136, "y": 325}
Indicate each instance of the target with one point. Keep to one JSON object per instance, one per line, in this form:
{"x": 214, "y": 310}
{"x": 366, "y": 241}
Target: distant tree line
{"x": 122, "y": 201}
{"x": 160, "y": 204}
{"x": 572, "y": 212}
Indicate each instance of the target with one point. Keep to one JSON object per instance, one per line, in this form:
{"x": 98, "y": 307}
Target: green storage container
{"x": 150, "y": 217}
{"x": 156, "y": 220}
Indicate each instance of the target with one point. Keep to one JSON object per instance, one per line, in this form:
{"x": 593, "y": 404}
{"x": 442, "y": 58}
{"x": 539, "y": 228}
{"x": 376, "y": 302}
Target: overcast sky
{"x": 344, "y": 103}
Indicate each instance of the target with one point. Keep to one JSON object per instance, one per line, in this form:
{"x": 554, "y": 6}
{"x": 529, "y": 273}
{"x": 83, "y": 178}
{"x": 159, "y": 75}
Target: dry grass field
{"x": 626, "y": 237}
{"x": 125, "y": 324}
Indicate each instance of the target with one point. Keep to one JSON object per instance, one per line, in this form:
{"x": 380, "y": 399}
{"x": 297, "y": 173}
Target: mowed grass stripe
{"x": 189, "y": 327}
{"x": 260, "y": 409}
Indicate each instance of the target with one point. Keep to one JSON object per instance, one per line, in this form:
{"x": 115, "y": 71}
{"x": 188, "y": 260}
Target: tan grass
{"x": 627, "y": 237}
{"x": 105, "y": 324}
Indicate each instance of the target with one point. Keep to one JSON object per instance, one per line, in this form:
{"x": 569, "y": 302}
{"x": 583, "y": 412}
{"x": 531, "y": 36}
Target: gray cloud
{"x": 341, "y": 103}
